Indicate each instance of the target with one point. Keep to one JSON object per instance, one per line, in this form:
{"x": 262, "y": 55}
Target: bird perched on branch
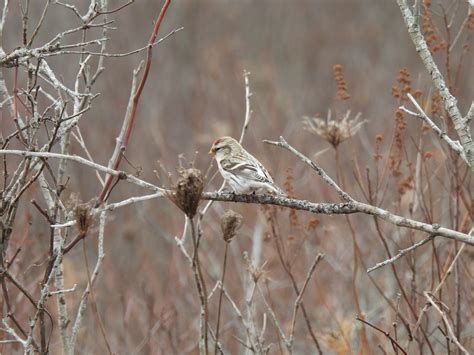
{"x": 241, "y": 170}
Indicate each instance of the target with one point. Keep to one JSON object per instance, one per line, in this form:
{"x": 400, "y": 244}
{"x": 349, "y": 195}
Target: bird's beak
{"x": 212, "y": 151}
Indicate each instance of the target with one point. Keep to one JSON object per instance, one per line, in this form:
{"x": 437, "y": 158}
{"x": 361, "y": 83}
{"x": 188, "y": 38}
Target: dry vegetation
{"x": 114, "y": 239}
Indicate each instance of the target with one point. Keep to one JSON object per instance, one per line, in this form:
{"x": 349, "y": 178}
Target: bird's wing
{"x": 262, "y": 171}
{"x": 249, "y": 168}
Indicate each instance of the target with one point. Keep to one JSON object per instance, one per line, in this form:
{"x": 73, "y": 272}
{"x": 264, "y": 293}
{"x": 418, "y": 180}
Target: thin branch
{"x": 239, "y": 315}
{"x": 299, "y": 299}
{"x": 400, "y": 254}
{"x": 461, "y": 29}
{"x": 286, "y": 341}
{"x": 113, "y": 55}
{"x": 40, "y": 22}
{"x": 108, "y": 12}
{"x": 81, "y": 160}
{"x": 446, "y": 322}
{"x": 132, "y": 200}
{"x": 180, "y": 242}
{"x": 443, "y": 280}
{"x": 219, "y": 307}
{"x": 83, "y": 303}
{"x": 282, "y": 143}
{"x": 455, "y": 145}
{"x": 248, "y": 111}
{"x": 20, "y": 55}
{"x": 201, "y": 288}
{"x": 387, "y": 334}
{"x": 12, "y": 332}
{"x": 66, "y": 290}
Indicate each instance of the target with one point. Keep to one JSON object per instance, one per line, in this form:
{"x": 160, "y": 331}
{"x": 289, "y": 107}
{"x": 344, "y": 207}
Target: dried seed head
{"x": 82, "y": 213}
{"x": 230, "y": 224}
{"x": 186, "y": 194}
{"x": 378, "y": 141}
{"x": 334, "y": 131}
{"x": 342, "y": 91}
{"x": 402, "y": 86}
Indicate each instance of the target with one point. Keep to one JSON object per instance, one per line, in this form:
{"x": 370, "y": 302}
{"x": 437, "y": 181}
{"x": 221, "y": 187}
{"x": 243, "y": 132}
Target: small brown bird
{"x": 241, "y": 170}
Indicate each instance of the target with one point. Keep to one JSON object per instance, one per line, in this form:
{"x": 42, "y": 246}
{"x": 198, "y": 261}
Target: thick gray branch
{"x": 341, "y": 208}
{"x": 319, "y": 208}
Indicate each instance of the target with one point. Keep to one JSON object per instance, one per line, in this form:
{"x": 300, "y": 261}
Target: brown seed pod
{"x": 187, "y": 192}
{"x": 230, "y": 224}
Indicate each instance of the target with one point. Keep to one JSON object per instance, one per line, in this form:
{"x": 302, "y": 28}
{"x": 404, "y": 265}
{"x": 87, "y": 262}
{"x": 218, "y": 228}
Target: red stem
{"x": 136, "y": 99}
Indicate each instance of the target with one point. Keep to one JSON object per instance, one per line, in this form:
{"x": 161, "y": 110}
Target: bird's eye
{"x": 217, "y": 148}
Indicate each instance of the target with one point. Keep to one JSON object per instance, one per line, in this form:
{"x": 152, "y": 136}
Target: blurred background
{"x": 146, "y": 295}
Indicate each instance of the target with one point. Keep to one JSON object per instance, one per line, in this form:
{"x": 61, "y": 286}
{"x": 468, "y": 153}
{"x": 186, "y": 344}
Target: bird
{"x": 241, "y": 170}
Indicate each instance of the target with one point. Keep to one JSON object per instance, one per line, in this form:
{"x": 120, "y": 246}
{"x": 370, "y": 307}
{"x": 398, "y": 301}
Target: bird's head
{"x": 223, "y": 146}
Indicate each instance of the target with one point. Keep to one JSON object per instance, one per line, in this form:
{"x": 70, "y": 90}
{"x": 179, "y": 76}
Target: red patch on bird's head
{"x": 217, "y": 141}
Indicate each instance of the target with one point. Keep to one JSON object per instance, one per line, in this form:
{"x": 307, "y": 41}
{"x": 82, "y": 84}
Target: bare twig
{"x": 180, "y": 241}
{"x": 84, "y": 298}
{"x": 286, "y": 341}
{"x": 282, "y": 143}
{"x": 40, "y": 22}
{"x": 400, "y": 254}
{"x": 395, "y": 344}
{"x": 300, "y": 297}
{"x": 221, "y": 293}
{"x": 12, "y": 332}
{"x": 62, "y": 51}
{"x": 248, "y": 111}
{"x": 66, "y": 290}
{"x": 443, "y": 280}
{"x": 431, "y": 300}
{"x": 78, "y": 159}
{"x": 461, "y": 29}
{"x": 455, "y": 145}
{"x": 202, "y": 292}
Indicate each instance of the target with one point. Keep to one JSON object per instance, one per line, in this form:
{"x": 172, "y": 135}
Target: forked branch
{"x": 461, "y": 126}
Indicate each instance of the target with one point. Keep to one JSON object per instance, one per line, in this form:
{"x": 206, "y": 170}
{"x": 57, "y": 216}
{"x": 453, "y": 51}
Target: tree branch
{"x": 341, "y": 208}
{"x": 320, "y": 208}
{"x": 449, "y": 101}
{"x": 282, "y": 143}
{"x": 455, "y": 145}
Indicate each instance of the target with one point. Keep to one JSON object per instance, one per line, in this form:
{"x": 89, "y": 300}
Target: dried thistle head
{"x": 230, "y": 224}
{"x": 82, "y": 213}
{"x": 187, "y": 192}
{"x": 334, "y": 131}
